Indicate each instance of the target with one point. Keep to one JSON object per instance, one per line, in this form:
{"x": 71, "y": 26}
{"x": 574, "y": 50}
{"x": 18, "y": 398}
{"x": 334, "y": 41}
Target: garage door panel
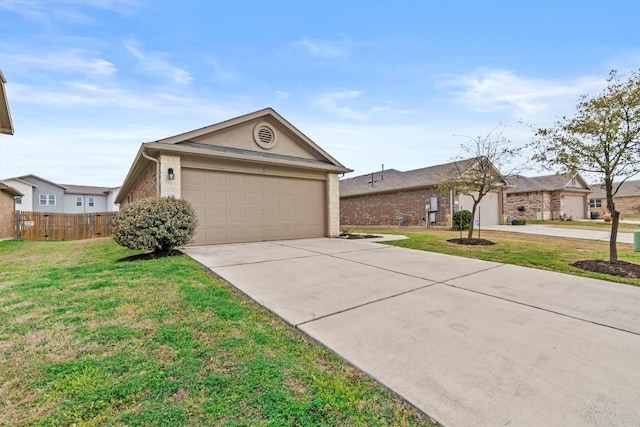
{"x": 574, "y": 206}
{"x": 234, "y": 207}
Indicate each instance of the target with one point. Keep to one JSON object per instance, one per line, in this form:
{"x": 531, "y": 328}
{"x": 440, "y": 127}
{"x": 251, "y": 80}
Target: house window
{"x": 92, "y": 201}
{"x": 47, "y": 200}
{"x": 595, "y": 203}
{"x": 19, "y": 201}
{"x": 79, "y": 201}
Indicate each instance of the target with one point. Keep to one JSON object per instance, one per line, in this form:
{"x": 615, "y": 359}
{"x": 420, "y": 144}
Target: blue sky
{"x": 372, "y": 82}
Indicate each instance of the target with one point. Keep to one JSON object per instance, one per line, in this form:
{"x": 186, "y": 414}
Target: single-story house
{"x": 548, "y": 197}
{"x": 42, "y": 195}
{"x": 7, "y": 211}
{"x": 627, "y": 199}
{"x": 252, "y": 178}
{"x": 414, "y": 197}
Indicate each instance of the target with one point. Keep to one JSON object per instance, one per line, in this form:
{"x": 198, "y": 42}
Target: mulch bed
{"x": 476, "y": 242}
{"x": 357, "y": 236}
{"x": 150, "y": 255}
{"x": 619, "y": 268}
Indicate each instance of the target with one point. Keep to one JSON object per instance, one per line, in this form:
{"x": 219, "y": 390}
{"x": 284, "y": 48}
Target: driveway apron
{"x": 468, "y": 342}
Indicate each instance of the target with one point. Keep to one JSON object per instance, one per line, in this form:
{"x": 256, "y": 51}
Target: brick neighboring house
{"x": 627, "y": 199}
{"x": 548, "y": 197}
{"x": 7, "y": 193}
{"x": 392, "y": 197}
{"x": 7, "y": 211}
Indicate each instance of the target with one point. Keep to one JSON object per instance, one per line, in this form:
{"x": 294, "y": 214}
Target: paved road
{"x": 573, "y": 233}
{"x": 469, "y": 342}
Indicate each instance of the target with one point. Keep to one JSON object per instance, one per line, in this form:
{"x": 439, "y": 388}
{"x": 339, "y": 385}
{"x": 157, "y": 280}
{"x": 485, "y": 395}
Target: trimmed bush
{"x": 158, "y": 224}
{"x": 518, "y": 221}
{"x": 461, "y": 218}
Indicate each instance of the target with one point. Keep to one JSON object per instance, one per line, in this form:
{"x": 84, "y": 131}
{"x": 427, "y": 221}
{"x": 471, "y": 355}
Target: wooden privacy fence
{"x": 59, "y": 226}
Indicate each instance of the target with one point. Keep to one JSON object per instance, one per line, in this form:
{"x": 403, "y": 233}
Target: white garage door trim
{"x": 237, "y": 207}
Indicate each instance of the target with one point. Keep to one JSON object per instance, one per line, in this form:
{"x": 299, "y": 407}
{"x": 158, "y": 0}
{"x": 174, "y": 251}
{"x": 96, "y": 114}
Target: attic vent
{"x": 265, "y": 136}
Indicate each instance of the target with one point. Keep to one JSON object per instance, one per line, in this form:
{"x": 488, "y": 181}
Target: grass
{"x": 88, "y": 340}
{"x": 527, "y": 250}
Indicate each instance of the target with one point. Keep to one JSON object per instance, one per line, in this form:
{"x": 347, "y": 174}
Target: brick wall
{"x": 624, "y": 205}
{"x": 7, "y": 216}
{"x": 145, "y": 187}
{"x": 534, "y": 205}
{"x": 385, "y": 208}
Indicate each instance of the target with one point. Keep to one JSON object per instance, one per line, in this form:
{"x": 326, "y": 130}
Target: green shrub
{"x": 518, "y": 221}
{"x": 461, "y": 218}
{"x": 158, "y": 224}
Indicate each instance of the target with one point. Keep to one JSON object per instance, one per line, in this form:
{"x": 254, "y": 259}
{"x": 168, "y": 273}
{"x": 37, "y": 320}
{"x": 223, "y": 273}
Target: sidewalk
{"x": 572, "y": 233}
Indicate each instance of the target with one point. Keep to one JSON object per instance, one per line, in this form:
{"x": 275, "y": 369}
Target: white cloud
{"x": 70, "y": 59}
{"x": 323, "y": 48}
{"x": 524, "y": 97}
{"x": 333, "y": 103}
{"x": 48, "y": 12}
{"x": 155, "y": 62}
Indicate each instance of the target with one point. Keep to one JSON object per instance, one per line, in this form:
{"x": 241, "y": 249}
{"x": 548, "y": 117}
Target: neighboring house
{"x": 549, "y": 197}
{"x": 7, "y": 211}
{"x": 627, "y": 199}
{"x": 393, "y": 197}
{"x": 252, "y": 178}
{"x": 42, "y": 195}
{"x": 7, "y": 193}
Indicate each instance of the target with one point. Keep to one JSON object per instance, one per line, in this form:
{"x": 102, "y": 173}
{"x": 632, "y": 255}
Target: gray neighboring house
{"x": 42, "y": 195}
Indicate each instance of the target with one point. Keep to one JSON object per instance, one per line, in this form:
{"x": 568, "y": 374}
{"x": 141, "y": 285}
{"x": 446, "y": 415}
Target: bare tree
{"x": 490, "y": 159}
{"x": 603, "y": 139}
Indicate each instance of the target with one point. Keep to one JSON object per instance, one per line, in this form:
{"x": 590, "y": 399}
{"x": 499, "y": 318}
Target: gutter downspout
{"x": 157, "y": 162}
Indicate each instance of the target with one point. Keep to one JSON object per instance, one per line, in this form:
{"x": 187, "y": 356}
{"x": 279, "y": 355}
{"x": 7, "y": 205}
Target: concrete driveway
{"x": 572, "y": 233}
{"x": 469, "y": 342}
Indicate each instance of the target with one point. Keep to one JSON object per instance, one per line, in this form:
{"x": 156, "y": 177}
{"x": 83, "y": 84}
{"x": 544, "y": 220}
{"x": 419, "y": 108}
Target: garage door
{"x": 489, "y": 213}
{"x": 574, "y": 206}
{"x": 235, "y": 207}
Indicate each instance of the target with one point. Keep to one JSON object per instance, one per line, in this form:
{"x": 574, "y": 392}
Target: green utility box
{"x": 636, "y": 240}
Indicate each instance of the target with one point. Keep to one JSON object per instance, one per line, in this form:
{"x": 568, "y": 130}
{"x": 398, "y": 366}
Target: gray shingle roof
{"x": 85, "y": 189}
{"x": 394, "y": 180}
{"x": 528, "y": 184}
{"x": 628, "y": 189}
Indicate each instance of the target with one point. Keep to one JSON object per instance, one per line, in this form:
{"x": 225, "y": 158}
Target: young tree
{"x": 484, "y": 172}
{"x": 603, "y": 139}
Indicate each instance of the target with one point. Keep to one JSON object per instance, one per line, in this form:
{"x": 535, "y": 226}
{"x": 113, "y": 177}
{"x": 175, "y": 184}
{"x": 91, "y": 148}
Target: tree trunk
{"x": 615, "y": 220}
{"x": 473, "y": 218}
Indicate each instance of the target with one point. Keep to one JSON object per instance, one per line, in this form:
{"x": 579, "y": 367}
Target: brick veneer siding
{"x": 624, "y": 205}
{"x": 537, "y": 205}
{"x": 145, "y": 187}
{"x": 385, "y": 208}
{"x": 7, "y": 216}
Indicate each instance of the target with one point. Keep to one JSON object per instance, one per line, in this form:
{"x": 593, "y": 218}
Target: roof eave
{"x": 171, "y": 148}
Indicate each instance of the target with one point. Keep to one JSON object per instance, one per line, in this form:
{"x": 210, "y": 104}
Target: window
{"x": 19, "y": 201}
{"x": 595, "y": 203}
{"x": 47, "y": 200}
{"x": 79, "y": 201}
{"x": 92, "y": 201}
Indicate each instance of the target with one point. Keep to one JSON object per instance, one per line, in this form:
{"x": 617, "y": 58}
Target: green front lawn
{"x": 88, "y": 340}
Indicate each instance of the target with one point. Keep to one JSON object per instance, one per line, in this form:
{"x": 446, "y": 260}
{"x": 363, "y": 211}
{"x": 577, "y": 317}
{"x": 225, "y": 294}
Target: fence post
{"x": 17, "y": 224}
